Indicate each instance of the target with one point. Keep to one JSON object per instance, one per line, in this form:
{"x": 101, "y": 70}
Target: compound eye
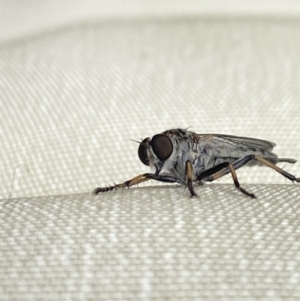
{"x": 142, "y": 151}
{"x": 162, "y": 146}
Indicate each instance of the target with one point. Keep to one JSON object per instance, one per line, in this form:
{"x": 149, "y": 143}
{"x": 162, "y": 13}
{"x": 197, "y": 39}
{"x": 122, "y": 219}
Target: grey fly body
{"x": 184, "y": 157}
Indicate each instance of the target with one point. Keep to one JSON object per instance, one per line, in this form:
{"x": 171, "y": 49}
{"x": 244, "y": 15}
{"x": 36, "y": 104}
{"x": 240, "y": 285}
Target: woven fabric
{"x": 70, "y": 101}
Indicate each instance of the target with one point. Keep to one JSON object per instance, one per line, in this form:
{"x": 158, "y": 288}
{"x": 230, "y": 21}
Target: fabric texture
{"x": 71, "y": 100}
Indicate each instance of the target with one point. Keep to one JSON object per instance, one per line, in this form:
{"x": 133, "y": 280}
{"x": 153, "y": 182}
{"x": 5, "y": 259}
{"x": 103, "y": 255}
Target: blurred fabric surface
{"x": 73, "y": 94}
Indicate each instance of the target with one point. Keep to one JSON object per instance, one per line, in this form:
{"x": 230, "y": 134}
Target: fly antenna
{"x": 135, "y": 141}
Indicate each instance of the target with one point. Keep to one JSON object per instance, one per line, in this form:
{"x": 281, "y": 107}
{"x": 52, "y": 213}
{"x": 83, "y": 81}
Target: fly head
{"x": 142, "y": 151}
{"x": 160, "y": 146}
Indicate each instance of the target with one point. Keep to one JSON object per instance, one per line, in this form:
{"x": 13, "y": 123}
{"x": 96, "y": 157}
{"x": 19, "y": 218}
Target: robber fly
{"x": 184, "y": 157}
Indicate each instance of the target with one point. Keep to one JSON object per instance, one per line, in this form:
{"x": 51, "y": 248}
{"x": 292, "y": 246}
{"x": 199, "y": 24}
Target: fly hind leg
{"x": 278, "y": 169}
{"x": 225, "y": 168}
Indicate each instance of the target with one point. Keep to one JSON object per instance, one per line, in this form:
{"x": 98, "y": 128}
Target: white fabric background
{"x": 73, "y": 94}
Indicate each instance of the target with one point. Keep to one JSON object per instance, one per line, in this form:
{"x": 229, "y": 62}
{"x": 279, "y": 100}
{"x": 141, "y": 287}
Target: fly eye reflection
{"x": 162, "y": 146}
{"x": 142, "y": 151}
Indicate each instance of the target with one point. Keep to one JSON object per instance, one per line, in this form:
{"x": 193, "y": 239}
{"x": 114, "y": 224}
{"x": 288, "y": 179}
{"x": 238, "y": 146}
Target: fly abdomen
{"x": 288, "y": 160}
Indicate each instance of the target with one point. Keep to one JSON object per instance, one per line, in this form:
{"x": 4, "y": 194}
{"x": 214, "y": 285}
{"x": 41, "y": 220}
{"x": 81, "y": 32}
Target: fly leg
{"x": 189, "y": 177}
{"x": 222, "y": 169}
{"x": 280, "y": 170}
{"x": 225, "y": 168}
{"x": 136, "y": 180}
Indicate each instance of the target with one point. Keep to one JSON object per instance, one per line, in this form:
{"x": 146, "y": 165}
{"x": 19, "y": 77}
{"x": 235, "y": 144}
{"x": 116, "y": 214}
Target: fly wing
{"x": 252, "y": 143}
{"x": 230, "y": 148}
{"x": 256, "y": 144}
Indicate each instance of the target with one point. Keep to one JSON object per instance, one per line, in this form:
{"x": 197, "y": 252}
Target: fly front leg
{"x": 189, "y": 171}
{"x": 136, "y": 180}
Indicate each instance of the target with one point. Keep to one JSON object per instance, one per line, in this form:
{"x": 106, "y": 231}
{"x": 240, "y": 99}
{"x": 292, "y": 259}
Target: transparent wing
{"x": 253, "y": 143}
